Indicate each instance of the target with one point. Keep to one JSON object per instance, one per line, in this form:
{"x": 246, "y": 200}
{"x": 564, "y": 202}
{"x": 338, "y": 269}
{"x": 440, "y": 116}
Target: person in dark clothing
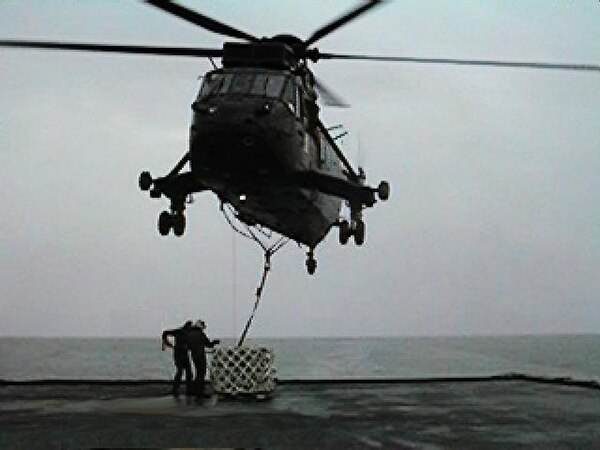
{"x": 180, "y": 355}
{"x": 198, "y": 341}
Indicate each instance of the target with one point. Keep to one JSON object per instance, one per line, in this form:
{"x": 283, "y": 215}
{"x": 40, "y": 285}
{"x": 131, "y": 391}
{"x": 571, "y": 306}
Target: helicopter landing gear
{"x": 311, "y": 262}
{"x": 357, "y": 229}
{"x": 383, "y": 190}
{"x": 345, "y": 232}
{"x": 145, "y": 181}
{"x": 359, "y": 232}
{"x": 177, "y": 187}
{"x": 164, "y": 223}
{"x": 179, "y": 223}
{"x": 358, "y": 226}
{"x": 171, "y": 221}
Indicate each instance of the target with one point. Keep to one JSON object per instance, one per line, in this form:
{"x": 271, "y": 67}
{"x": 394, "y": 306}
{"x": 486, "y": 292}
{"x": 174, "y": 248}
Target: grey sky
{"x": 494, "y": 221}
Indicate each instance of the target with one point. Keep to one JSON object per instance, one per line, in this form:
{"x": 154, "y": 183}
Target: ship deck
{"x": 497, "y": 412}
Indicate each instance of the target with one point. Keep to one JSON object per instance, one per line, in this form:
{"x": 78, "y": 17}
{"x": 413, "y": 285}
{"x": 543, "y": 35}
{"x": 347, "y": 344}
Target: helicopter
{"x": 256, "y": 139}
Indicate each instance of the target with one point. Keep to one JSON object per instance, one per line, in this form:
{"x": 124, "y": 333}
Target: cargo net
{"x": 242, "y": 370}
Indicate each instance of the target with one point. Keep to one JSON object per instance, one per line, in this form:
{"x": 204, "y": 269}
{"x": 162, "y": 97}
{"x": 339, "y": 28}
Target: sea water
{"x": 575, "y": 356}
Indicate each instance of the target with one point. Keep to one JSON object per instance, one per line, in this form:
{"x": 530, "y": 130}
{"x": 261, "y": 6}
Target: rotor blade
{"x": 340, "y": 21}
{"x": 139, "y": 49}
{"x": 328, "y": 96}
{"x": 201, "y": 20}
{"x": 467, "y": 62}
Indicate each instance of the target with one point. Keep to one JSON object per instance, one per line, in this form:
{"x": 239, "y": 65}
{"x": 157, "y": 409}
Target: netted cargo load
{"x": 242, "y": 370}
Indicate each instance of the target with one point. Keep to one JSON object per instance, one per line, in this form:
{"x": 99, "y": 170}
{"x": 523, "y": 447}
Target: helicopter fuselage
{"x": 251, "y": 133}
{"x": 256, "y": 141}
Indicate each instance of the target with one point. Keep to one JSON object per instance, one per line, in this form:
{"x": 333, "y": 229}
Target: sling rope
{"x": 268, "y": 252}
{"x": 259, "y": 290}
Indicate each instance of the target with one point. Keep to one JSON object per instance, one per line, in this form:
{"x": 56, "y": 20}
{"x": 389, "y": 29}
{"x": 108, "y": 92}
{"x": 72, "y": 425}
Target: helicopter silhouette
{"x": 256, "y": 139}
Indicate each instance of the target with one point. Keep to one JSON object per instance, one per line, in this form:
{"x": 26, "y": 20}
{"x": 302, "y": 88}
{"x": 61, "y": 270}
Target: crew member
{"x": 180, "y": 355}
{"x": 198, "y": 341}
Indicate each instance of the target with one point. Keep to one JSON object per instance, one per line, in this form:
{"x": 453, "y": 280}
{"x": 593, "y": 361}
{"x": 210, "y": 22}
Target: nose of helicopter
{"x": 241, "y": 140}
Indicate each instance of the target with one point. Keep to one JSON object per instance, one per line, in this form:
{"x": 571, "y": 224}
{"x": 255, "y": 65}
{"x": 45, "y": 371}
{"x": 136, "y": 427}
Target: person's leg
{"x": 188, "y": 377}
{"x": 177, "y": 379}
{"x": 202, "y": 375}
{"x": 196, "y": 369}
{"x": 200, "y": 364}
{"x": 182, "y": 362}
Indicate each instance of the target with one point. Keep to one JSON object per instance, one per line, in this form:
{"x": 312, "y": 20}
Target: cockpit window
{"x": 260, "y": 83}
{"x": 274, "y": 85}
{"x": 225, "y": 83}
{"x": 241, "y": 83}
{"x": 210, "y": 85}
{"x": 289, "y": 96}
{"x": 266, "y": 85}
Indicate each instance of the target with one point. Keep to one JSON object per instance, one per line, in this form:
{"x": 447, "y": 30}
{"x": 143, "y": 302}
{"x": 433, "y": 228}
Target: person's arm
{"x": 208, "y": 343}
{"x": 165, "y": 338}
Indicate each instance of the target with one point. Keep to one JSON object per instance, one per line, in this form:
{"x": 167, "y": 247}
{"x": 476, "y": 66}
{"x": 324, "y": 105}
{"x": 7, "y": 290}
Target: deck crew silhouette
{"x": 181, "y": 357}
{"x": 198, "y": 342}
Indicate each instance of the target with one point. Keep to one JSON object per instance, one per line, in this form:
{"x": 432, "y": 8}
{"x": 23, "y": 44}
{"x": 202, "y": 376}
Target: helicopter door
{"x": 298, "y": 103}
{"x": 298, "y": 110}
{"x": 289, "y": 96}
{"x": 324, "y": 151}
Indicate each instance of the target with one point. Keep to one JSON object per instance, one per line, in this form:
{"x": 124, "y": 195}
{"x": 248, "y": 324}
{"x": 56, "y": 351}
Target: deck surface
{"x": 442, "y": 414}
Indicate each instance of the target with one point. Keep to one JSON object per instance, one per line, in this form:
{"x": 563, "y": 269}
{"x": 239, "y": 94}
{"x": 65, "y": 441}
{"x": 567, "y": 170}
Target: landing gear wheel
{"x": 383, "y": 190}
{"x": 178, "y": 220}
{"x": 164, "y": 223}
{"x": 359, "y": 233}
{"x": 345, "y": 232}
{"x": 311, "y": 262}
{"x": 145, "y": 181}
{"x": 311, "y": 266}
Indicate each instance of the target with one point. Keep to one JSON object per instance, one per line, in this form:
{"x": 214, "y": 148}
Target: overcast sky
{"x": 493, "y": 226}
